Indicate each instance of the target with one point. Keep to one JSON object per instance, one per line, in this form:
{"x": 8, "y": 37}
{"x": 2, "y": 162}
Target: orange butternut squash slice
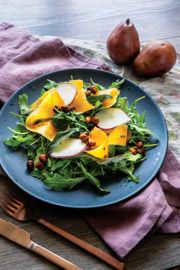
{"x": 101, "y": 148}
{"x": 118, "y": 136}
{"x": 114, "y": 92}
{"x": 80, "y": 101}
{"x": 39, "y": 120}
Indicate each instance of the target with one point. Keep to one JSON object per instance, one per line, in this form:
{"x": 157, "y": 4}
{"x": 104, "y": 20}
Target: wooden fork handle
{"x": 53, "y": 257}
{"x": 91, "y": 249}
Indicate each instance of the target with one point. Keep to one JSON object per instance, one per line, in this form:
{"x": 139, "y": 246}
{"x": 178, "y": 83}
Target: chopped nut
{"x": 30, "y": 165}
{"x": 39, "y": 166}
{"x": 88, "y": 119}
{"x": 90, "y": 142}
{"x": 43, "y": 158}
{"x": 67, "y": 108}
{"x": 93, "y": 89}
{"x": 95, "y": 120}
{"x": 141, "y": 150}
{"x": 139, "y": 144}
{"x": 83, "y": 137}
{"x": 133, "y": 150}
{"x": 88, "y": 93}
{"x": 71, "y": 107}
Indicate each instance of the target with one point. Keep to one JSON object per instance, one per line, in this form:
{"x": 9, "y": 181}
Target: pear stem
{"x": 128, "y": 21}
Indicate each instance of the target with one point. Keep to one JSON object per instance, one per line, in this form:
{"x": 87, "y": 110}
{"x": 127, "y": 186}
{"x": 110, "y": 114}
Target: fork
{"x": 22, "y": 212}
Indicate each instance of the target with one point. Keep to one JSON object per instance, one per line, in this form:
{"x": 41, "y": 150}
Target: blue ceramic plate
{"x": 14, "y": 163}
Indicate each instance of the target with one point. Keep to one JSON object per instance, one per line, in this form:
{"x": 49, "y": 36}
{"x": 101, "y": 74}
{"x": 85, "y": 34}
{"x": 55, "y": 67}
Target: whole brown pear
{"x": 123, "y": 43}
{"x": 155, "y": 59}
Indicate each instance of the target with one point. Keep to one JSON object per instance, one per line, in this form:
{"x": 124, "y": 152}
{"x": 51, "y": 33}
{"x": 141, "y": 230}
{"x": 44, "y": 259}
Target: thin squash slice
{"x": 118, "y": 135}
{"x": 39, "y": 119}
{"x": 101, "y": 148}
{"x": 114, "y": 92}
{"x": 80, "y": 101}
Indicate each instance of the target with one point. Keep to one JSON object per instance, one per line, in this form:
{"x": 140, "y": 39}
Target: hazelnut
{"x": 88, "y": 119}
{"x": 43, "y": 158}
{"x": 88, "y": 93}
{"x": 95, "y": 120}
{"x": 139, "y": 144}
{"x": 83, "y": 136}
{"x": 71, "y": 107}
{"x": 141, "y": 150}
{"x": 39, "y": 166}
{"x": 30, "y": 165}
{"x": 67, "y": 108}
{"x": 133, "y": 150}
{"x": 90, "y": 142}
{"x": 93, "y": 89}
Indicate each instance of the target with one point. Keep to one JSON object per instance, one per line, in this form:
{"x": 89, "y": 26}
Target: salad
{"x": 79, "y": 132}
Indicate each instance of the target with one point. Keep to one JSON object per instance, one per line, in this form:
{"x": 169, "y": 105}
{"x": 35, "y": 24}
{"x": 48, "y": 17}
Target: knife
{"x": 22, "y": 237}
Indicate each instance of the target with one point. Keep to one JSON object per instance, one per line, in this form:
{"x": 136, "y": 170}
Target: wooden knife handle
{"x": 53, "y": 257}
{"x": 91, "y": 249}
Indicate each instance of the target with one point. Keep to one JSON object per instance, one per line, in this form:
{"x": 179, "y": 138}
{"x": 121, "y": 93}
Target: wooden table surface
{"x": 92, "y": 20}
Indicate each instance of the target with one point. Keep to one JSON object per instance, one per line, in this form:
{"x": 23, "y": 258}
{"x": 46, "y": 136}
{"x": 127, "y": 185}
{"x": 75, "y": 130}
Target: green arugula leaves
{"x": 101, "y": 98}
{"x": 137, "y": 124}
{"x": 23, "y": 104}
{"x": 62, "y": 120}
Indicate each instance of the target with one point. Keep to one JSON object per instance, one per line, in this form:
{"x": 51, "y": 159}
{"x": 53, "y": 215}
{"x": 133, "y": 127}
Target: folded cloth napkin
{"x": 123, "y": 225}
{"x": 24, "y": 57}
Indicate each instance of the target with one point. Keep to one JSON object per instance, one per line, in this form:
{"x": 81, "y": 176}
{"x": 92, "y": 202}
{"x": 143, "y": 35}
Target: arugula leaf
{"x": 112, "y": 150}
{"x": 71, "y": 119}
{"x": 57, "y": 164}
{"x": 19, "y": 129}
{"x": 23, "y": 104}
{"x": 117, "y": 84}
{"x": 59, "y": 182}
{"x": 131, "y": 158}
{"x": 127, "y": 165}
{"x": 101, "y": 98}
{"x": 137, "y": 124}
{"x": 120, "y": 149}
{"x": 15, "y": 141}
{"x": 99, "y": 86}
{"x": 37, "y": 174}
{"x": 59, "y": 124}
{"x": 129, "y": 171}
{"x": 97, "y": 107}
{"x": 124, "y": 163}
{"x": 92, "y": 179}
{"x": 50, "y": 84}
{"x": 62, "y": 135}
{"x": 21, "y": 137}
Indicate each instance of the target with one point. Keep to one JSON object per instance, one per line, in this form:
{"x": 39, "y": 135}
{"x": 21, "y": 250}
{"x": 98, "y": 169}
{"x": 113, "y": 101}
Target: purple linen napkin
{"x": 23, "y": 58}
{"x": 157, "y": 208}
{"x": 122, "y": 226}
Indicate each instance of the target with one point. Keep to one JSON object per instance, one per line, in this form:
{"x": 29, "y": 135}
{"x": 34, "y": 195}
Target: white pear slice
{"x": 111, "y": 118}
{"x": 68, "y": 148}
{"x": 67, "y": 92}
